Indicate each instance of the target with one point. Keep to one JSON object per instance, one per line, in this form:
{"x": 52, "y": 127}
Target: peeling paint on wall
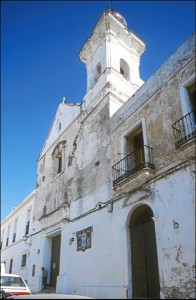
{"x": 70, "y": 158}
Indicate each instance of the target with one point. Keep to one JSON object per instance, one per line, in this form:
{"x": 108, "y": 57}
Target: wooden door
{"x": 145, "y": 274}
{"x": 55, "y": 260}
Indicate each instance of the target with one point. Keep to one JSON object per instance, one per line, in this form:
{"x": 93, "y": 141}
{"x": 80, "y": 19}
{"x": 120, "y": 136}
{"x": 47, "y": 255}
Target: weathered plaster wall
{"x": 174, "y": 64}
{"x": 109, "y": 258}
{"x": 86, "y": 181}
{"x": 175, "y": 223}
{"x": 86, "y": 174}
{"x": 158, "y": 102}
{"x": 81, "y": 194}
{"x": 110, "y": 42}
{"x": 66, "y": 113}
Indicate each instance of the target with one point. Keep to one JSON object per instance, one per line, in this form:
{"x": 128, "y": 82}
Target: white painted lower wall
{"x": 104, "y": 270}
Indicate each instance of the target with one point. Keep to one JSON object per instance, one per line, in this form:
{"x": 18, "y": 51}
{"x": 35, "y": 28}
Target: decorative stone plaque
{"x": 84, "y": 239}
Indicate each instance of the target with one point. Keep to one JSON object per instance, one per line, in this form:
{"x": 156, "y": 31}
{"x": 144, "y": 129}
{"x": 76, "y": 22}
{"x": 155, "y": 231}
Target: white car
{"x": 12, "y": 284}
{"x": 50, "y": 296}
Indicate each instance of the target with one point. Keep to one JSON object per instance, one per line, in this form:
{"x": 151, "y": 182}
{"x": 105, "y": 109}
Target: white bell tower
{"x": 112, "y": 57}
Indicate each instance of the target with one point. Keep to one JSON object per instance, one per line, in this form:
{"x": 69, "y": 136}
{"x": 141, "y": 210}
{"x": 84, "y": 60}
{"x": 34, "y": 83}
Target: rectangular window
{"x": 55, "y": 204}
{"x": 135, "y": 147}
{"x": 2, "y": 238}
{"x": 59, "y": 164}
{"x": 191, "y": 94}
{"x": 134, "y": 140}
{"x": 44, "y": 210}
{"x": 27, "y": 228}
{"x": 184, "y": 128}
{"x": 135, "y": 153}
{"x": 187, "y": 96}
{"x": 15, "y": 229}
{"x": 11, "y": 264}
{"x": 14, "y": 237}
{"x": 8, "y": 233}
{"x": 33, "y": 270}
{"x": 57, "y": 157}
{"x": 24, "y": 260}
{"x": 28, "y": 222}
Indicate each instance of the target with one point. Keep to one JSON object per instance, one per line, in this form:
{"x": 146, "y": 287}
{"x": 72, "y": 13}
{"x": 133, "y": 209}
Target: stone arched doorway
{"x": 145, "y": 274}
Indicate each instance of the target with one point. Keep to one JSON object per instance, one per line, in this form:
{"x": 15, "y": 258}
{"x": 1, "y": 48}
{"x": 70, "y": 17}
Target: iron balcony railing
{"x": 184, "y": 129}
{"x": 132, "y": 163}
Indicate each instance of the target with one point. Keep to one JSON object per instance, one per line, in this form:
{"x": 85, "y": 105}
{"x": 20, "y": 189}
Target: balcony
{"x": 185, "y": 133}
{"x": 136, "y": 168}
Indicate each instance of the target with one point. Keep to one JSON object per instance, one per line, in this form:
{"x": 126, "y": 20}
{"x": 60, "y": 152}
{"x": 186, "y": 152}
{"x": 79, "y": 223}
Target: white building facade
{"x": 14, "y": 250}
{"x": 114, "y": 205}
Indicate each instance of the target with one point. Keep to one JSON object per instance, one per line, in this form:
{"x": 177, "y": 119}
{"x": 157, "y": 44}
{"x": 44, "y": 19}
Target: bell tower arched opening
{"x": 112, "y": 58}
{"x": 97, "y": 71}
{"x": 124, "y": 69}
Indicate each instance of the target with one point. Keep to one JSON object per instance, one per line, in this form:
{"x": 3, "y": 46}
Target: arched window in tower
{"x": 97, "y": 71}
{"x": 124, "y": 69}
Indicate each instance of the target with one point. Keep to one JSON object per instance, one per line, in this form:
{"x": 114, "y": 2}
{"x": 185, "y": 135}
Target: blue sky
{"x": 40, "y": 43}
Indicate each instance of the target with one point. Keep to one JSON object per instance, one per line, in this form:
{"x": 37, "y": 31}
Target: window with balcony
{"x": 184, "y": 128}
{"x": 137, "y": 156}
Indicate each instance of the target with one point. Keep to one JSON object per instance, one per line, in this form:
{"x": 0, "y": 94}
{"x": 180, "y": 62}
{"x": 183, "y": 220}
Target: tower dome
{"x": 119, "y": 17}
